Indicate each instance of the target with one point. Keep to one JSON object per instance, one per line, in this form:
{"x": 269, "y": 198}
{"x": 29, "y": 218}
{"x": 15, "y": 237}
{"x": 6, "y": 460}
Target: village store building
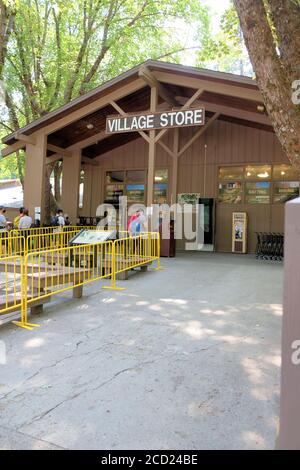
{"x": 231, "y": 154}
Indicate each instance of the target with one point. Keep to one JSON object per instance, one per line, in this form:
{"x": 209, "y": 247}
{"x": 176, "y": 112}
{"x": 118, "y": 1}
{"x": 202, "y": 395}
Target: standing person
{"x": 18, "y": 217}
{"x": 60, "y": 218}
{"x": 2, "y": 218}
{"x": 67, "y": 220}
{"x": 136, "y": 223}
{"x": 25, "y": 221}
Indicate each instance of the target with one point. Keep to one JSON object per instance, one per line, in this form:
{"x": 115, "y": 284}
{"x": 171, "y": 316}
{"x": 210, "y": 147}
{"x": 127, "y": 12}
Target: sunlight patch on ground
{"x": 175, "y": 301}
{"x": 109, "y": 301}
{"x": 34, "y": 342}
{"x": 254, "y": 373}
{"x": 253, "y": 439}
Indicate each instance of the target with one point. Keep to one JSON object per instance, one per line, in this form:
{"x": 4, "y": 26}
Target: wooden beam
{"x": 175, "y": 165}
{"x": 160, "y": 134}
{"x": 53, "y": 158}
{"x": 89, "y": 161}
{"x": 198, "y": 134}
{"x": 152, "y": 149}
{"x": 166, "y": 148}
{"x": 152, "y": 81}
{"x": 193, "y": 98}
{"x": 28, "y": 139}
{"x": 123, "y": 113}
{"x": 231, "y": 89}
{"x": 12, "y": 149}
{"x": 233, "y": 112}
{"x": 59, "y": 150}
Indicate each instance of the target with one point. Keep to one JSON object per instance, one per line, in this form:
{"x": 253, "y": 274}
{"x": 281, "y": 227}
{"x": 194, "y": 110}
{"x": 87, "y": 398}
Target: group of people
{"x": 21, "y": 221}
{"x": 24, "y": 221}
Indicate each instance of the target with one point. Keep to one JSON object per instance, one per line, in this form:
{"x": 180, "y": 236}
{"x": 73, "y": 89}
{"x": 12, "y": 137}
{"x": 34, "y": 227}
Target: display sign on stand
{"x": 91, "y": 237}
{"x": 239, "y": 232}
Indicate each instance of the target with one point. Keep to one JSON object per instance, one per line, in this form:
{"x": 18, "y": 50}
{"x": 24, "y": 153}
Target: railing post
{"x": 24, "y": 297}
{"x": 113, "y": 285}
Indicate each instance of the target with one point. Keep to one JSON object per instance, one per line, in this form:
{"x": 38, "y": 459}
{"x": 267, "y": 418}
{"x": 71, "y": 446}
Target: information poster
{"x": 258, "y": 192}
{"x": 160, "y": 193}
{"x": 230, "y": 193}
{"x": 283, "y": 190}
{"x": 188, "y": 198}
{"x": 113, "y": 192}
{"x": 239, "y": 232}
{"x": 135, "y": 192}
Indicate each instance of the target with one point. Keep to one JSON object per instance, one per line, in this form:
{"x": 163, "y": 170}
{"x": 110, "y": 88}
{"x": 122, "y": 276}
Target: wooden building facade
{"x": 234, "y": 157}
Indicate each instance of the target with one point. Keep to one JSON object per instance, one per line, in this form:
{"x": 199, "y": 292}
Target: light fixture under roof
{"x": 158, "y": 178}
{"x": 90, "y": 126}
{"x": 263, "y": 175}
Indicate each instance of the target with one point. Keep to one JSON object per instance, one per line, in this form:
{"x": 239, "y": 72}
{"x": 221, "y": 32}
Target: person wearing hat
{"x": 3, "y": 221}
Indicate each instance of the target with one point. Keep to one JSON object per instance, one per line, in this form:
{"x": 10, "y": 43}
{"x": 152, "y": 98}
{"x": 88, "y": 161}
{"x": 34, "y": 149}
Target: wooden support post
{"x": 77, "y": 292}
{"x": 37, "y": 309}
{"x": 123, "y": 276}
{"x": 152, "y": 148}
{"x": 289, "y": 430}
{"x": 175, "y": 166}
{"x": 35, "y": 173}
{"x": 70, "y": 185}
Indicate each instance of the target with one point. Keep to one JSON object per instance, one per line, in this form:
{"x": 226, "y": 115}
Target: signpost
{"x": 151, "y": 121}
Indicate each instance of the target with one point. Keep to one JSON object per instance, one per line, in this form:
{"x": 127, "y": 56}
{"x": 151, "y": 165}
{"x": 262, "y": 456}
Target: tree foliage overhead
{"x": 52, "y": 51}
{"x": 271, "y": 30}
{"x": 225, "y": 51}
{"x": 59, "y": 49}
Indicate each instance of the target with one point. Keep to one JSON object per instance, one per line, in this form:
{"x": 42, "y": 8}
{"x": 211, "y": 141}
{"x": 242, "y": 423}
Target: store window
{"x": 135, "y": 187}
{"x": 284, "y": 190}
{"x": 285, "y": 173}
{"x": 113, "y": 192}
{"x": 257, "y": 192}
{"x": 258, "y": 172}
{"x": 230, "y": 192}
{"x": 115, "y": 177}
{"x": 135, "y": 193}
{"x": 161, "y": 186}
{"x": 231, "y": 173}
{"x": 136, "y": 176}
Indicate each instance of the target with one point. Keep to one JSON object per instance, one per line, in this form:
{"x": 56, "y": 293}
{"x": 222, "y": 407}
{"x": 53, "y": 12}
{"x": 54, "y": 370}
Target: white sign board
{"x": 86, "y": 237}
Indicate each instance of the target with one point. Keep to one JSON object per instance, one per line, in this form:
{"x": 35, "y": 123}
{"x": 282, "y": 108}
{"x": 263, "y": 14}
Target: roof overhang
{"x": 131, "y": 91}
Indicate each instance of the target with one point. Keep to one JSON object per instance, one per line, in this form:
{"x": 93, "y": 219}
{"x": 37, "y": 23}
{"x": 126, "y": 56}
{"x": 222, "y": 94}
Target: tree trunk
{"x": 57, "y": 181}
{"x": 272, "y": 72}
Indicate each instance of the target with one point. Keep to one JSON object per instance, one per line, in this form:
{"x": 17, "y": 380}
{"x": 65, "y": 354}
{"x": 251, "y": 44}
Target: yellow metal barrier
{"x": 51, "y": 272}
{"x": 10, "y": 284}
{"x": 48, "y": 241}
{"x": 11, "y": 246}
{"x": 132, "y": 252}
{"x": 28, "y": 280}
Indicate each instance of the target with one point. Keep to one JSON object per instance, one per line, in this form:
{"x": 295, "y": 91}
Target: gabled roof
{"x": 126, "y": 77}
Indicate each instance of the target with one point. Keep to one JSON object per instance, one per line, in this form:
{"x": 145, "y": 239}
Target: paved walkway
{"x": 184, "y": 358}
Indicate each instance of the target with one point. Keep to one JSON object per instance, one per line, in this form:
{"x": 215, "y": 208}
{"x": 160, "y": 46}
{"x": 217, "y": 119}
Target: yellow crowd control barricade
{"x": 11, "y": 270}
{"x": 11, "y": 246}
{"x": 45, "y": 274}
{"x": 49, "y": 241}
{"x": 132, "y": 252}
